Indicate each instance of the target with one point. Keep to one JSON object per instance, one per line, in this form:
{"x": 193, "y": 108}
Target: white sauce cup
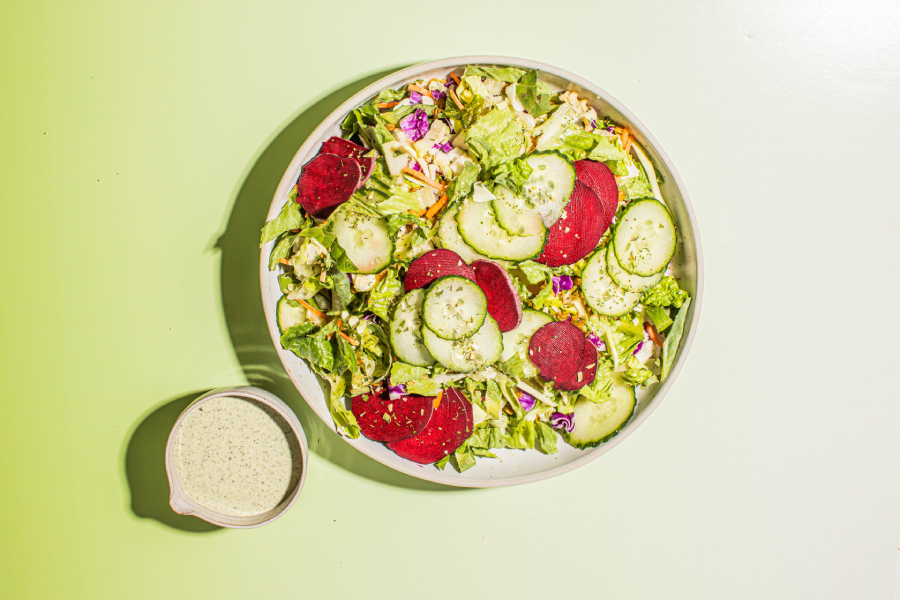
{"x": 182, "y": 504}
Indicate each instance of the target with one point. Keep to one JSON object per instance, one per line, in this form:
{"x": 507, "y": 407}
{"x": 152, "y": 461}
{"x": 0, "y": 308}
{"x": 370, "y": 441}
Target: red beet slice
{"x": 599, "y": 178}
{"x": 326, "y": 182}
{"x": 503, "y": 301}
{"x": 434, "y": 264}
{"x": 587, "y": 368}
{"x": 347, "y": 149}
{"x": 384, "y": 420}
{"x": 450, "y": 426}
{"x": 576, "y": 235}
{"x": 556, "y": 350}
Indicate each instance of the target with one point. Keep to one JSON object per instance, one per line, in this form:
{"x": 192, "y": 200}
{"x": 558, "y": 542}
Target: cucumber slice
{"x": 601, "y": 292}
{"x": 624, "y": 279}
{"x": 516, "y": 341}
{"x": 406, "y": 330}
{"x": 448, "y": 237}
{"x": 454, "y": 307}
{"x": 365, "y": 239}
{"x": 550, "y": 184}
{"x": 468, "y": 354}
{"x": 598, "y": 422}
{"x": 644, "y": 239}
{"x": 480, "y": 230}
{"x": 288, "y": 316}
{"x": 515, "y": 214}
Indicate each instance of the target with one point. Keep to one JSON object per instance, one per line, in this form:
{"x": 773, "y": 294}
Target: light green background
{"x": 141, "y": 144}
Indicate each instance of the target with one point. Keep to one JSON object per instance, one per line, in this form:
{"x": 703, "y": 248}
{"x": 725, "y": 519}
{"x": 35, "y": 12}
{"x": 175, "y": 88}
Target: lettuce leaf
{"x": 519, "y": 367}
{"x": 512, "y": 175}
{"x": 665, "y": 293}
{"x": 506, "y": 74}
{"x": 637, "y": 374}
{"x": 462, "y": 185}
{"x": 635, "y": 187}
{"x": 534, "y": 95}
{"x": 289, "y": 218}
{"x": 315, "y": 348}
{"x": 402, "y": 372}
{"x": 382, "y": 296}
{"x": 535, "y": 272}
{"x": 546, "y": 438}
{"x": 600, "y": 389}
{"x": 344, "y": 419}
{"x": 399, "y": 201}
{"x": 670, "y": 345}
{"x": 659, "y": 315}
{"x": 282, "y": 249}
{"x": 423, "y": 387}
{"x": 495, "y": 138}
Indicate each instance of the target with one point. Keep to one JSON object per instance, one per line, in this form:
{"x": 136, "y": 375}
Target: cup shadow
{"x": 145, "y": 468}
{"x": 242, "y": 304}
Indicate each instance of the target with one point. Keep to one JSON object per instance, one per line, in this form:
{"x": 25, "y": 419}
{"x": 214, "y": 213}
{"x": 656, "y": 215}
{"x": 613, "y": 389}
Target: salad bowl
{"x": 511, "y": 467}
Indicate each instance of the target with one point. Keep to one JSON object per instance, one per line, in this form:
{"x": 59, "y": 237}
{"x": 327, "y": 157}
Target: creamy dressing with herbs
{"x": 237, "y": 457}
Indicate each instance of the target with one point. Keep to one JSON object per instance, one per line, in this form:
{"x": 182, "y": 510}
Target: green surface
{"x": 141, "y": 144}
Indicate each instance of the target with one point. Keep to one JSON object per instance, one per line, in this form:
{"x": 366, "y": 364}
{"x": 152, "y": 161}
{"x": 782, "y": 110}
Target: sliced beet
{"x": 597, "y": 176}
{"x": 450, "y": 426}
{"x": 556, "y": 350}
{"x": 347, "y": 149}
{"x": 434, "y": 264}
{"x": 326, "y": 182}
{"x": 384, "y": 420}
{"x": 503, "y": 301}
{"x": 576, "y": 235}
{"x": 587, "y": 367}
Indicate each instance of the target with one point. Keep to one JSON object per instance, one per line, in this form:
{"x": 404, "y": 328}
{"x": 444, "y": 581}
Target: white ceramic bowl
{"x": 513, "y": 466}
{"x": 180, "y": 502}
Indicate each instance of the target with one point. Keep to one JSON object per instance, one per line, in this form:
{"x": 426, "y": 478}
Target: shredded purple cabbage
{"x": 350, "y": 277}
{"x": 445, "y": 147}
{"x": 527, "y": 401}
{"x": 611, "y": 129}
{"x": 594, "y": 123}
{"x": 596, "y": 341}
{"x": 415, "y": 98}
{"x": 416, "y": 167}
{"x": 563, "y": 282}
{"x": 415, "y": 126}
{"x": 639, "y": 346}
{"x": 395, "y": 392}
{"x": 438, "y": 95}
{"x": 371, "y": 318}
{"x": 562, "y": 421}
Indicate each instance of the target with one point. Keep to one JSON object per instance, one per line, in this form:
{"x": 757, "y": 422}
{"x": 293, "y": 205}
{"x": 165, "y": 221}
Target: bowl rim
{"x": 184, "y": 505}
{"x": 650, "y": 143}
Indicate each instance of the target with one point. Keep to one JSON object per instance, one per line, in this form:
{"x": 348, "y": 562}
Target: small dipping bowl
{"x": 183, "y": 504}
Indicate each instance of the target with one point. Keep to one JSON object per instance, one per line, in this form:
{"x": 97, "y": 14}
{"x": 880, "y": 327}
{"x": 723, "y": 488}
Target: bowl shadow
{"x": 145, "y": 468}
{"x": 242, "y": 303}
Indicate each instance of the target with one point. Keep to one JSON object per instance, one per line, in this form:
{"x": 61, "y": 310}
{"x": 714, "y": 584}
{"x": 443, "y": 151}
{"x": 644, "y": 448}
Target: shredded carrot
{"x": 284, "y": 261}
{"x": 436, "y": 207}
{"x": 426, "y": 180}
{"x": 348, "y": 338}
{"x": 455, "y": 78}
{"x": 314, "y": 311}
{"x": 437, "y": 401}
{"x": 455, "y": 99}
{"x": 418, "y": 213}
{"x": 415, "y": 88}
{"x": 389, "y": 127}
{"x": 386, "y": 104}
{"x": 654, "y": 335}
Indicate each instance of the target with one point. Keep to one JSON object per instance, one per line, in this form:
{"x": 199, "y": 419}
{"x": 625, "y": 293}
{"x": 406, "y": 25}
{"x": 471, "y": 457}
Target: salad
{"x": 480, "y": 262}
